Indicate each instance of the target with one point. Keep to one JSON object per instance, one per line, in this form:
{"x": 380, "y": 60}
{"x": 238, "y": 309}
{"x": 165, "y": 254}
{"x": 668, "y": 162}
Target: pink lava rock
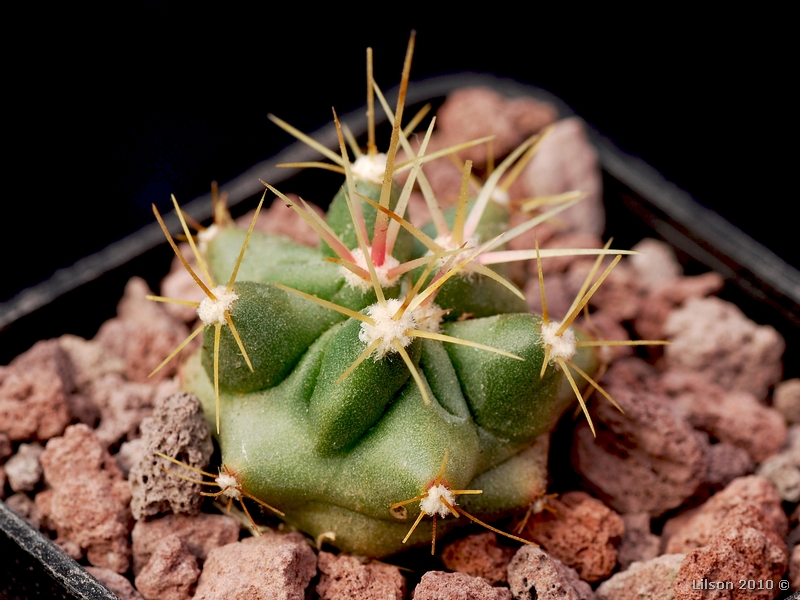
{"x": 473, "y": 113}
{"x": 143, "y": 334}
{"x": 479, "y": 555}
{"x": 201, "y": 533}
{"x": 660, "y": 301}
{"x": 794, "y": 569}
{"x": 583, "y": 534}
{"x": 566, "y": 161}
{"x": 23, "y": 469}
{"x": 735, "y": 417}
{"x": 116, "y": 583}
{"x": 651, "y": 580}
{"x": 271, "y": 567}
{"x": 645, "y": 460}
{"x": 178, "y": 429}
{"x": 714, "y": 336}
{"x": 744, "y": 547}
{"x": 33, "y": 402}
{"x": 786, "y": 399}
{"x": 90, "y": 361}
{"x": 123, "y": 405}
{"x": 346, "y": 578}
{"x": 695, "y": 528}
{"x": 638, "y": 542}
{"x": 90, "y": 500}
{"x": 535, "y": 575}
{"x": 438, "y": 585}
{"x": 656, "y": 265}
{"x": 171, "y": 572}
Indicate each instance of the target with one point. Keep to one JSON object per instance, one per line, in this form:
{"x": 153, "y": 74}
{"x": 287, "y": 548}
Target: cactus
{"x": 361, "y": 386}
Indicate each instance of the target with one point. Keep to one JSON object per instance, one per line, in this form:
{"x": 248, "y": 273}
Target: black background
{"x": 109, "y": 111}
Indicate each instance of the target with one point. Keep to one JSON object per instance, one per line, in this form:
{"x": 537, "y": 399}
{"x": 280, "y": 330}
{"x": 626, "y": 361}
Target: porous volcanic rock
{"x": 650, "y": 580}
{"x": 714, "y": 336}
{"x": 479, "y": 555}
{"x": 201, "y": 533}
{"x": 744, "y": 547}
{"x": 89, "y": 506}
{"x": 271, "y": 567}
{"x": 535, "y": 575}
{"x": 344, "y": 577}
{"x": 695, "y": 528}
{"x": 438, "y": 585}
{"x": 645, "y": 460}
{"x": 143, "y": 334}
{"x": 582, "y": 532}
{"x": 178, "y": 429}
{"x": 171, "y": 572}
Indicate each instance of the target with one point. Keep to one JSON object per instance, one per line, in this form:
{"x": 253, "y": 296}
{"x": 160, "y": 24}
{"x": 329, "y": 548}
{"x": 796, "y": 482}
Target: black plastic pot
{"x": 639, "y": 203}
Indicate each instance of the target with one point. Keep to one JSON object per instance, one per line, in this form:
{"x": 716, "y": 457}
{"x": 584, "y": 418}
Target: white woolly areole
{"x": 212, "y": 312}
{"x": 446, "y": 242}
{"x": 354, "y": 281}
{"x": 561, "y": 346}
{"x": 205, "y": 236}
{"x": 500, "y": 196}
{"x": 386, "y": 329}
{"x": 370, "y": 168}
{"x": 433, "y": 503}
{"x": 229, "y": 486}
{"x": 428, "y": 316}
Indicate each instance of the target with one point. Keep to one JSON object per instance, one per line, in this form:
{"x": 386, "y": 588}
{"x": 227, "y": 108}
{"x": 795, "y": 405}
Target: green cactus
{"x": 356, "y": 402}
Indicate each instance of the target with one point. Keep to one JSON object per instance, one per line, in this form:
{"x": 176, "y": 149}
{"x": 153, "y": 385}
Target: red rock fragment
{"x": 566, "y": 161}
{"x": 116, "y": 583}
{"x": 534, "y": 574}
{"x": 171, "y": 572}
{"x": 346, "y": 578}
{"x": 653, "y": 579}
{"x": 479, "y": 555}
{"x": 659, "y": 302}
{"x": 583, "y": 533}
{"x": 714, "y": 336}
{"x": 695, "y": 528}
{"x": 744, "y": 547}
{"x": 271, "y": 567}
{"x": 201, "y": 533}
{"x": 645, "y": 460}
{"x": 438, "y": 585}
{"x": 143, "y": 334}
{"x": 90, "y": 500}
{"x": 735, "y": 417}
{"x": 473, "y": 113}
{"x": 33, "y": 403}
